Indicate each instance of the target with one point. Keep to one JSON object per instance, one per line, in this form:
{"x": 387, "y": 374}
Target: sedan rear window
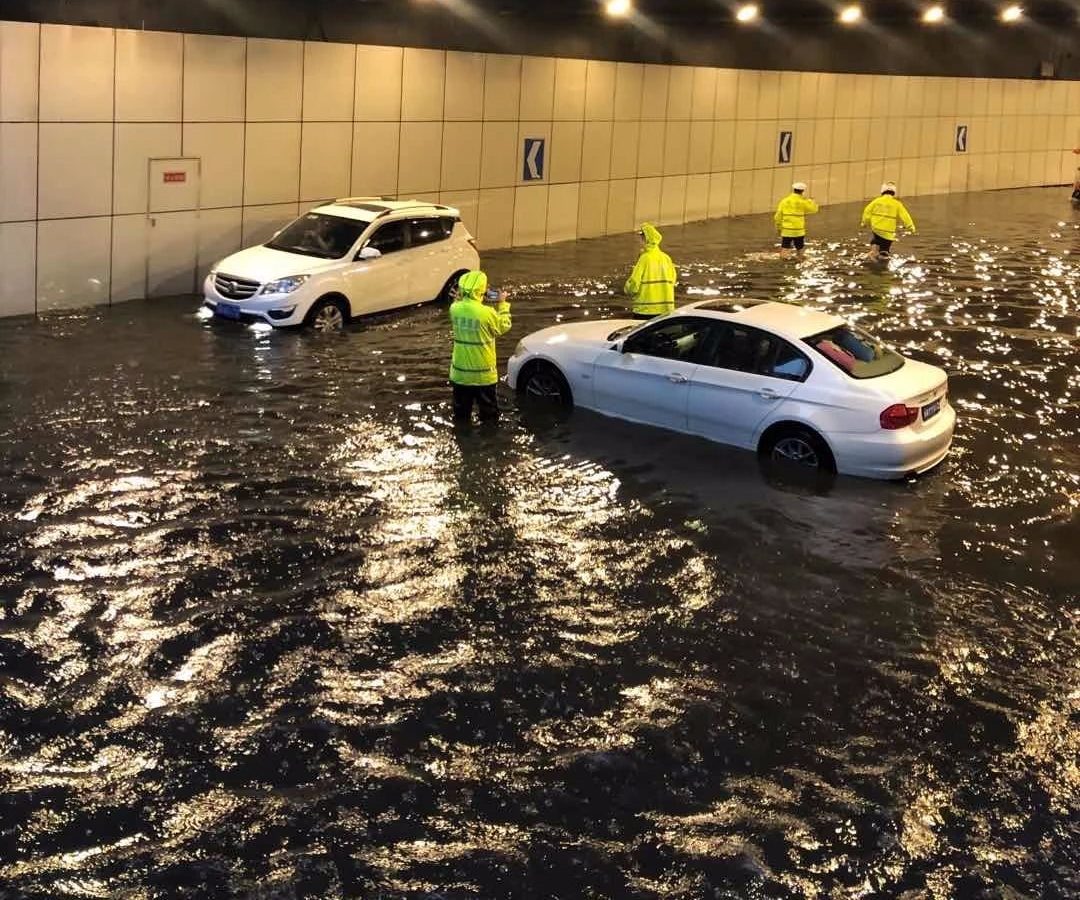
{"x": 856, "y": 352}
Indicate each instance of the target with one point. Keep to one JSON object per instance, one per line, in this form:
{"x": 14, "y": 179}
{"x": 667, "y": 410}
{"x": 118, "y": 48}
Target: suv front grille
{"x": 235, "y": 288}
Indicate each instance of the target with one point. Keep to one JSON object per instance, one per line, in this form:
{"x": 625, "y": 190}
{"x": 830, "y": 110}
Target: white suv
{"x": 351, "y": 257}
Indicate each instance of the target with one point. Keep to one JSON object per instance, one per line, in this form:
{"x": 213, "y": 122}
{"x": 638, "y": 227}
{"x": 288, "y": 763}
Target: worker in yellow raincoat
{"x": 882, "y": 215}
{"x": 790, "y": 219}
{"x": 651, "y": 286}
{"x": 473, "y": 371}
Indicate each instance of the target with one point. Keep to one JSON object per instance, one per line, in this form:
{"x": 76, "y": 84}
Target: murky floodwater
{"x": 271, "y": 628}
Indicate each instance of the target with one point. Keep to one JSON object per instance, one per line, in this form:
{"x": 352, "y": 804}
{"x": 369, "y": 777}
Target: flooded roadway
{"x": 269, "y": 627}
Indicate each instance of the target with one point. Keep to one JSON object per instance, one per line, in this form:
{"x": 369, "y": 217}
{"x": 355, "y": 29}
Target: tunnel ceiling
{"x": 792, "y": 34}
{"x": 690, "y": 12}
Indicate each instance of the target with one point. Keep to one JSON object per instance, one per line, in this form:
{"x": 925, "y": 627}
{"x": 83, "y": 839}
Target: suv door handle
{"x": 676, "y": 378}
{"x": 768, "y": 394}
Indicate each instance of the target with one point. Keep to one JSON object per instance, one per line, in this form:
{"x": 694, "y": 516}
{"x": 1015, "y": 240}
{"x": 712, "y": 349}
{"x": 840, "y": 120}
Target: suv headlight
{"x": 285, "y": 285}
{"x": 519, "y": 350}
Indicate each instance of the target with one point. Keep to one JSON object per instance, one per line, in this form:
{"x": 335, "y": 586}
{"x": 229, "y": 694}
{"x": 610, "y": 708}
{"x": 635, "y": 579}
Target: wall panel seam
{"x": 243, "y": 143}
{"x": 300, "y": 149}
{"x": 352, "y": 121}
{"x": 37, "y": 179}
{"x": 112, "y": 175}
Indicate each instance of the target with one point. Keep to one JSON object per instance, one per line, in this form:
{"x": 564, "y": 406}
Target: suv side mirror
{"x": 369, "y": 253}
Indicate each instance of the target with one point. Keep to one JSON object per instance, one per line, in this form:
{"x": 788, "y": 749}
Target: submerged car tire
{"x": 327, "y": 315}
{"x": 542, "y": 383}
{"x": 797, "y": 445}
{"x": 450, "y": 291}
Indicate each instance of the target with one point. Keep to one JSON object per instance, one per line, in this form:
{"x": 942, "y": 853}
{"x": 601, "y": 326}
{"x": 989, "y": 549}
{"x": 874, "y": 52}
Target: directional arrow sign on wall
{"x": 784, "y": 156}
{"x": 534, "y": 160}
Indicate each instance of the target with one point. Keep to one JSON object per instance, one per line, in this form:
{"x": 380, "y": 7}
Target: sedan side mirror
{"x": 369, "y": 253}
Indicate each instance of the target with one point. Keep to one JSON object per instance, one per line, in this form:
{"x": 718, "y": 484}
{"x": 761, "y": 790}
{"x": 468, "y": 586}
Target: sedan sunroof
{"x": 730, "y": 306}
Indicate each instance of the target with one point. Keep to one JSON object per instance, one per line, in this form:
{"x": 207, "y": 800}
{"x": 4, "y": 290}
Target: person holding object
{"x": 473, "y": 370}
{"x": 882, "y": 215}
{"x": 651, "y": 286}
{"x": 790, "y": 219}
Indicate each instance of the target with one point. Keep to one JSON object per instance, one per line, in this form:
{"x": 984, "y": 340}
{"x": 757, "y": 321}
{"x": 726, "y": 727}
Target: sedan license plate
{"x": 228, "y": 311}
{"x": 931, "y": 410}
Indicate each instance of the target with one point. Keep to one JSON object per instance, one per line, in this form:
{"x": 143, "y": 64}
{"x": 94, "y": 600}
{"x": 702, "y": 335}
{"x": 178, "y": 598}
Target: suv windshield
{"x": 317, "y": 234}
{"x": 854, "y": 351}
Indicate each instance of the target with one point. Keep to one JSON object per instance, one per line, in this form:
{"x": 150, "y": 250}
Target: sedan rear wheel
{"x": 796, "y": 450}
{"x": 800, "y": 446}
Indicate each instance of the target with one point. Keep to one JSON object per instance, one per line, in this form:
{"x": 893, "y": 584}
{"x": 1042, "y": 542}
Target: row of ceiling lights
{"x": 850, "y": 14}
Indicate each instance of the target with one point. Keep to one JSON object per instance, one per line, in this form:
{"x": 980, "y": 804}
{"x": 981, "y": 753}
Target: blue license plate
{"x": 931, "y": 410}
{"x": 228, "y": 311}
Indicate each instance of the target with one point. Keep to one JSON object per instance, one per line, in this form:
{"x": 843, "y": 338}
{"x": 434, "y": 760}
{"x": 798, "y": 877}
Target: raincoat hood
{"x": 652, "y": 236}
{"x": 473, "y": 285}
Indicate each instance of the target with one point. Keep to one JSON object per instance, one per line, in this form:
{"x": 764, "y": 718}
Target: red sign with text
{"x": 175, "y": 177}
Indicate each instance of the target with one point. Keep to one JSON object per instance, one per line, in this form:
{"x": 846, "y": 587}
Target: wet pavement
{"x": 270, "y": 627}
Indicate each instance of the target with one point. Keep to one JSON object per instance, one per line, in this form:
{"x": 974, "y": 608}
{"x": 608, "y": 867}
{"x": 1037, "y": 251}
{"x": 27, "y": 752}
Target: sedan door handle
{"x": 676, "y": 378}
{"x": 768, "y": 394}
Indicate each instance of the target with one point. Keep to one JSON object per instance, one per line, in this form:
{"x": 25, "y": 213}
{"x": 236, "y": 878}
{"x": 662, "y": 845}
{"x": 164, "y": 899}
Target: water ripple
{"x": 271, "y": 627}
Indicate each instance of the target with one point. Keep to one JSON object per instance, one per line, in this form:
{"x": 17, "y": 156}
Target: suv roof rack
{"x": 378, "y": 205}
{"x": 414, "y": 205}
{"x": 366, "y": 200}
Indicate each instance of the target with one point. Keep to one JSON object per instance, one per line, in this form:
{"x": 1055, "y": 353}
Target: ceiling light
{"x": 747, "y": 13}
{"x": 933, "y": 14}
{"x": 849, "y": 15}
{"x": 1011, "y": 13}
{"x": 617, "y": 8}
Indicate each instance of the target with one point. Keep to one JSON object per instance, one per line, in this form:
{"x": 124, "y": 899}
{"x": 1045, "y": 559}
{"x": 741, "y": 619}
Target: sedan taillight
{"x": 899, "y": 416}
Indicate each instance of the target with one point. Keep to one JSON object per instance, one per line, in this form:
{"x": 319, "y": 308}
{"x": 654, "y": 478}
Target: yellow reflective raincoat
{"x": 882, "y": 213}
{"x": 475, "y": 328}
{"x": 790, "y": 216}
{"x": 651, "y": 286}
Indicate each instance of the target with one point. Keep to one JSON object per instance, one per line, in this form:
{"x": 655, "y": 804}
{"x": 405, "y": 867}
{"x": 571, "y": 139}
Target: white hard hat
{"x": 799, "y": 186}
{"x": 888, "y": 186}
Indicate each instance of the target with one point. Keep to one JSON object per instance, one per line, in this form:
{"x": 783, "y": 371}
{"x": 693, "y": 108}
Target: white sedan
{"x": 791, "y": 383}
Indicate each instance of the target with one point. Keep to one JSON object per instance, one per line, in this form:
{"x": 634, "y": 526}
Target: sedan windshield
{"x": 317, "y": 234}
{"x": 856, "y": 352}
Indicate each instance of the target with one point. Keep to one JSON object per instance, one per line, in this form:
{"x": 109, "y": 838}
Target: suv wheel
{"x": 327, "y": 315}
{"x": 451, "y": 291}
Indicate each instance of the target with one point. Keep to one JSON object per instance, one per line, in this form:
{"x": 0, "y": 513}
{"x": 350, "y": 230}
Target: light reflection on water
{"x": 272, "y": 627}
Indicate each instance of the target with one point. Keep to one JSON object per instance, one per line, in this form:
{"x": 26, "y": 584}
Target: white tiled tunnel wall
{"x": 281, "y": 125}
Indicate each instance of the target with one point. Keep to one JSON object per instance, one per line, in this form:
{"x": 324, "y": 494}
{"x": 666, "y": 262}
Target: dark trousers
{"x": 484, "y": 396}
{"x": 881, "y": 243}
{"x": 797, "y": 242}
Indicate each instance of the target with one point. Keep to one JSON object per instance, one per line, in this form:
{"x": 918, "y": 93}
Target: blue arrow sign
{"x": 961, "y": 138}
{"x": 533, "y": 169}
{"x": 784, "y": 154}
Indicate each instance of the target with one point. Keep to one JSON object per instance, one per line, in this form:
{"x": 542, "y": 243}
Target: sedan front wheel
{"x": 543, "y": 383}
